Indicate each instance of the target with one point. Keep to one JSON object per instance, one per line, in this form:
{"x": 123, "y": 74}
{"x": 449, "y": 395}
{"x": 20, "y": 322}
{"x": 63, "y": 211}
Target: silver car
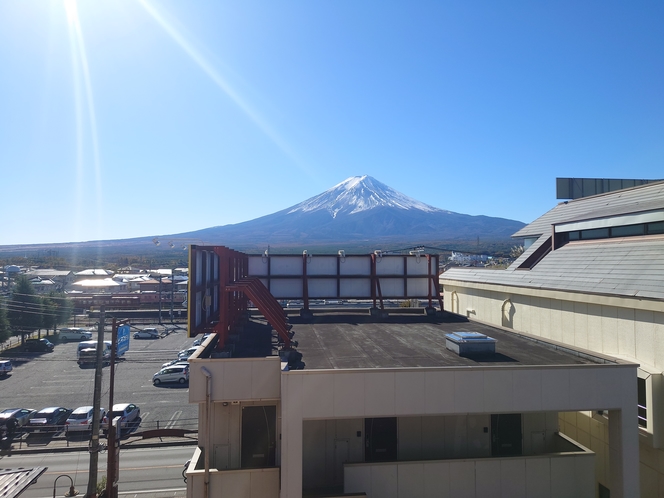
{"x": 21, "y": 416}
{"x": 127, "y": 412}
{"x": 174, "y": 373}
{"x": 150, "y": 333}
{"x": 81, "y": 419}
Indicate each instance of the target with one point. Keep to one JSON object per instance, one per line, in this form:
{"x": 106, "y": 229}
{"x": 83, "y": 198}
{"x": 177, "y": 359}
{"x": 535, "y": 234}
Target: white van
{"x": 75, "y": 334}
{"x": 93, "y": 345}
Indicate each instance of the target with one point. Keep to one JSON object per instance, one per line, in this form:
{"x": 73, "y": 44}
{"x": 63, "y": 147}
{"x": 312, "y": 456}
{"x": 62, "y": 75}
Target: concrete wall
{"x": 236, "y": 379}
{"x": 622, "y": 327}
{"x": 225, "y": 432}
{"x": 553, "y": 476}
{"x": 246, "y": 483}
{"x": 419, "y": 438}
{"x": 336, "y": 394}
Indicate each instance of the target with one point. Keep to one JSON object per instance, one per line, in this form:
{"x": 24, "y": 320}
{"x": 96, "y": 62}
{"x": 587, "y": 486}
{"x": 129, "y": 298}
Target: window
{"x": 657, "y": 227}
{"x": 628, "y": 231}
{"x": 642, "y": 403}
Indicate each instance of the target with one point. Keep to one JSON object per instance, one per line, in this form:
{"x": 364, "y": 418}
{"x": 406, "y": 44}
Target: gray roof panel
{"x": 621, "y": 267}
{"x": 632, "y": 200}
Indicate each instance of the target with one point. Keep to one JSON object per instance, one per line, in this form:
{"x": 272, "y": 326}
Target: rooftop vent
{"x": 470, "y": 344}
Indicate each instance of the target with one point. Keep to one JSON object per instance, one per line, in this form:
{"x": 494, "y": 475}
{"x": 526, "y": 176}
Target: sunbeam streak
{"x": 258, "y": 120}
{"x": 81, "y": 72}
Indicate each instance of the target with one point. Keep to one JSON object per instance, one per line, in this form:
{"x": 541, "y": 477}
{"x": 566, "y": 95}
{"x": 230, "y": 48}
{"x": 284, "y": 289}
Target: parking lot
{"x": 55, "y": 379}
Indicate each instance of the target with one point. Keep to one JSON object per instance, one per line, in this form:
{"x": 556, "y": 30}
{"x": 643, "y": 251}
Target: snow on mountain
{"x": 357, "y": 194}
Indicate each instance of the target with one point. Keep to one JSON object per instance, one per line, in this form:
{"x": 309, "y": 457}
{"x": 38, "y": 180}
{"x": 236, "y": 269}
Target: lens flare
{"x": 214, "y": 75}
{"x": 83, "y": 97}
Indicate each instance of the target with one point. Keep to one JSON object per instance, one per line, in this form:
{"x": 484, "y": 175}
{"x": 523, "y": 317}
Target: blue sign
{"x": 123, "y": 340}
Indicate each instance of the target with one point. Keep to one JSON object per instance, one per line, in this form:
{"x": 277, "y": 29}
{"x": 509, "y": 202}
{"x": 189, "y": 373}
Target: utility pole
{"x": 172, "y": 290}
{"x": 96, "y": 407}
{"x": 160, "y": 276}
{"x": 113, "y": 439}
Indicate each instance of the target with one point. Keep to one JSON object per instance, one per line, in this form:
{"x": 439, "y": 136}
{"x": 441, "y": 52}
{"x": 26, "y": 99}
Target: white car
{"x": 186, "y": 353}
{"x": 175, "y": 362}
{"x": 150, "y": 333}
{"x": 201, "y": 340}
{"x": 81, "y": 419}
{"x": 75, "y": 334}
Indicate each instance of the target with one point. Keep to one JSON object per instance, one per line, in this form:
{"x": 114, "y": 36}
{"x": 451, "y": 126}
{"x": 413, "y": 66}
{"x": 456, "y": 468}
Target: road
{"x": 145, "y": 472}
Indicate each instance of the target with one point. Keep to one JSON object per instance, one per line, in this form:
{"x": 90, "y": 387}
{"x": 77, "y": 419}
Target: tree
{"x": 57, "y": 310}
{"x": 5, "y": 331}
{"x": 24, "y": 308}
{"x": 516, "y": 251}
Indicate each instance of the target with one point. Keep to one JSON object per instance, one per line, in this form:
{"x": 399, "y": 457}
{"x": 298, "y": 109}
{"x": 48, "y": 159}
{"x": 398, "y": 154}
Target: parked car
{"x": 128, "y": 413}
{"x": 5, "y": 367}
{"x": 201, "y": 340}
{"x": 149, "y": 333}
{"x": 175, "y": 373}
{"x": 175, "y": 362}
{"x": 51, "y": 419}
{"x": 20, "y": 416}
{"x": 81, "y": 419}
{"x": 186, "y": 353}
{"x": 38, "y": 345}
{"x": 75, "y": 334}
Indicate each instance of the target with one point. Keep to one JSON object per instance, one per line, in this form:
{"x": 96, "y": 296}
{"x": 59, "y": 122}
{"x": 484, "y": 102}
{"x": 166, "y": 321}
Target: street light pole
{"x": 72, "y": 491}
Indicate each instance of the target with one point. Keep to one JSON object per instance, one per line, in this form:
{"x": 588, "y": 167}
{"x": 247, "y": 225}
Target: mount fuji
{"x": 358, "y": 210}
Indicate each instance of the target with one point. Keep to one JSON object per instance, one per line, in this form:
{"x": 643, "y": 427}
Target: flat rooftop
{"x": 338, "y": 340}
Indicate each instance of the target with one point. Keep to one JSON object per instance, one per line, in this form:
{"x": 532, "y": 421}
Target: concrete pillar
{"x": 291, "y": 437}
{"x": 624, "y": 451}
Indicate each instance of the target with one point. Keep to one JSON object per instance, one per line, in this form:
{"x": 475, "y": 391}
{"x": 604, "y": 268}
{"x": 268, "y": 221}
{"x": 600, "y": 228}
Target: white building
{"x": 592, "y": 277}
{"x": 383, "y": 409}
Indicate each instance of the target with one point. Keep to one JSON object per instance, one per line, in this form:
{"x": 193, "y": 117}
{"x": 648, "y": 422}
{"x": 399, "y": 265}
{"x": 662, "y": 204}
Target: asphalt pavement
{"x": 40, "y": 380}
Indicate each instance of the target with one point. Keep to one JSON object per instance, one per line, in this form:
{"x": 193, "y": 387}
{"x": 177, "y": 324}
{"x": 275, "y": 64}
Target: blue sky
{"x": 128, "y": 118}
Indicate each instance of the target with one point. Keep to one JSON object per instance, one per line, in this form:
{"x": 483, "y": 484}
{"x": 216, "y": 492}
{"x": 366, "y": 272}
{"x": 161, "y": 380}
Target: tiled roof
{"x": 633, "y": 200}
{"x": 630, "y": 266}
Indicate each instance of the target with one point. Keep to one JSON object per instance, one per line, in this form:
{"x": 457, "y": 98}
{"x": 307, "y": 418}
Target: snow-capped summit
{"x": 359, "y": 210}
{"x": 357, "y": 194}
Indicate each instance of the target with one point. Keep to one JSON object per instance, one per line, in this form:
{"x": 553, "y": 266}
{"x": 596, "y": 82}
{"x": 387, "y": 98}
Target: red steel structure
{"x": 220, "y": 285}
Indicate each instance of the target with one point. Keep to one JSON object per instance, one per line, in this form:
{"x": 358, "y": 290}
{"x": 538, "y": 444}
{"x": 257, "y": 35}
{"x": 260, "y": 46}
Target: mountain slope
{"x": 360, "y": 209}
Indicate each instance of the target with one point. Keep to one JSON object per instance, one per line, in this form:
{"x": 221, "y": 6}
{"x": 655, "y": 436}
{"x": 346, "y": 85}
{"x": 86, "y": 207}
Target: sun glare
{"x": 218, "y": 79}
{"x": 83, "y": 93}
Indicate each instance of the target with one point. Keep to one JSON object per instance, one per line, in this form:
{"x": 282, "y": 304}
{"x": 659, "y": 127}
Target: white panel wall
{"x": 320, "y": 287}
{"x": 355, "y": 287}
{"x": 355, "y": 265}
{"x": 416, "y": 266}
{"x": 257, "y": 266}
{"x": 284, "y": 265}
{"x": 392, "y": 286}
{"x": 322, "y": 265}
{"x": 390, "y": 265}
{"x": 559, "y": 476}
{"x": 418, "y": 286}
{"x": 285, "y": 287}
